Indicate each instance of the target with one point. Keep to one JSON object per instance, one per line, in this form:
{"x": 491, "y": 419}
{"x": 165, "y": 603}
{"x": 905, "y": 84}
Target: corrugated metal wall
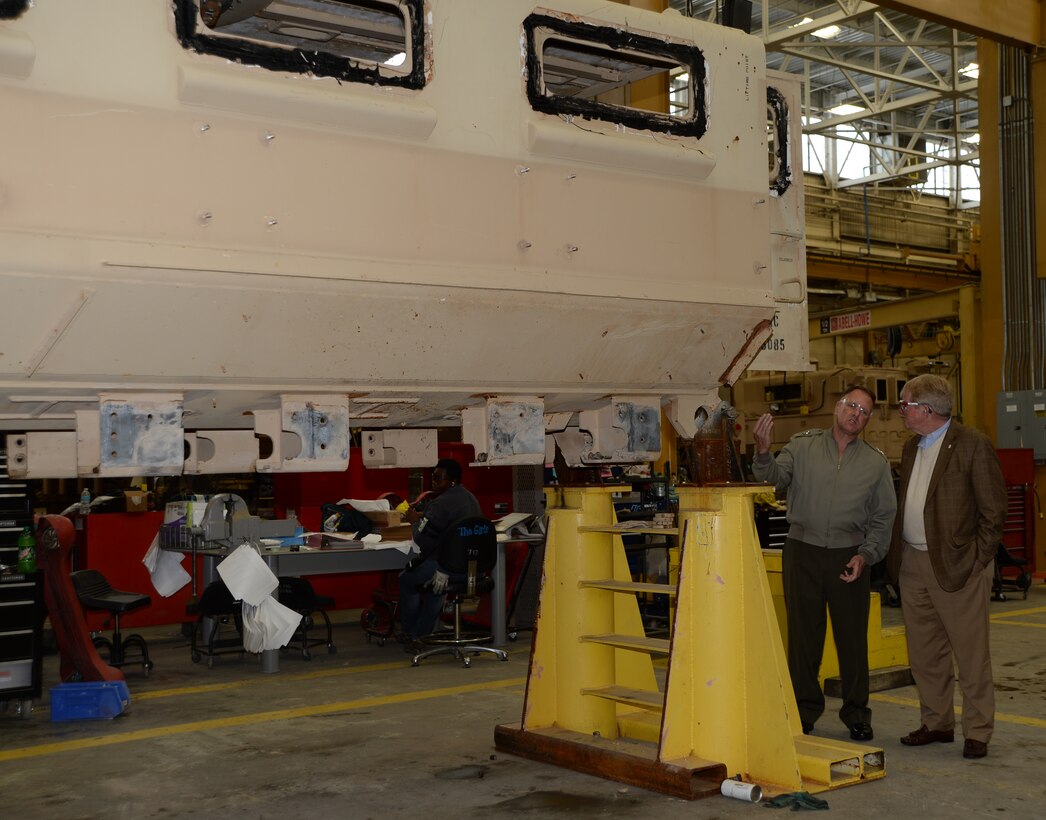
{"x": 1024, "y": 294}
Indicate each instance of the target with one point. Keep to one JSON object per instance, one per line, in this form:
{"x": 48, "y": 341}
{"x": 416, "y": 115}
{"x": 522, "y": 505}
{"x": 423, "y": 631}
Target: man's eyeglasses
{"x": 864, "y": 411}
{"x": 904, "y": 405}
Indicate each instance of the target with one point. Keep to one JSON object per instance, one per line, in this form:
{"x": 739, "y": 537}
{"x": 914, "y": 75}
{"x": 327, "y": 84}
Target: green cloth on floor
{"x": 797, "y": 801}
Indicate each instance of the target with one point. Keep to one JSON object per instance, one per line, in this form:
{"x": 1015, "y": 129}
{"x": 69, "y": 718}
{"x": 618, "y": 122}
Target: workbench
{"x": 309, "y": 561}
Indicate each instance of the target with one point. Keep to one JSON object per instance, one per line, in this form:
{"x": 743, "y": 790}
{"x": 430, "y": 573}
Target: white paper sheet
{"x": 280, "y": 622}
{"x": 269, "y": 625}
{"x": 165, "y": 569}
{"x": 507, "y": 522}
{"x": 406, "y": 547}
{"x": 247, "y": 576}
{"x": 374, "y": 505}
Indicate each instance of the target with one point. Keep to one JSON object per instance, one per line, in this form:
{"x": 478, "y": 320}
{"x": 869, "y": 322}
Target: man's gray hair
{"x": 933, "y": 391}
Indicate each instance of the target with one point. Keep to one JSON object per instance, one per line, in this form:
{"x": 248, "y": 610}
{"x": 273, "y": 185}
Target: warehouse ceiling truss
{"x": 890, "y": 99}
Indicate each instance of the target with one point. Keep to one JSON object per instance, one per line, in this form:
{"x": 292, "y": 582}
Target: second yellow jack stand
{"x": 727, "y": 707}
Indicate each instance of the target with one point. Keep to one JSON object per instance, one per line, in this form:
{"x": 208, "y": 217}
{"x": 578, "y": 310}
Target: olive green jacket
{"x": 833, "y": 502}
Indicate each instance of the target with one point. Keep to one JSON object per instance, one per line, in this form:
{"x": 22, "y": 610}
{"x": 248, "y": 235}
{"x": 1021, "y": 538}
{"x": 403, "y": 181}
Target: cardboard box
{"x": 137, "y": 500}
{"x": 177, "y": 512}
{"x": 400, "y": 533}
{"x": 385, "y": 518}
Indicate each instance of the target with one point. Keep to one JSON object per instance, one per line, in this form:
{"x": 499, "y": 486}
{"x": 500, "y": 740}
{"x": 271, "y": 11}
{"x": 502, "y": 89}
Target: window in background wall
{"x": 813, "y": 149}
{"x": 962, "y": 178}
{"x": 970, "y": 181}
{"x": 854, "y": 159}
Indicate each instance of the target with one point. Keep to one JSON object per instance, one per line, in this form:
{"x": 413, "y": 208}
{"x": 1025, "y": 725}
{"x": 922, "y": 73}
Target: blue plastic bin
{"x": 96, "y": 700}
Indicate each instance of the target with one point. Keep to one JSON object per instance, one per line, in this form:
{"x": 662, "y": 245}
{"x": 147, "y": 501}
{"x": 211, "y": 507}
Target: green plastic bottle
{"x": 26, "y": 551}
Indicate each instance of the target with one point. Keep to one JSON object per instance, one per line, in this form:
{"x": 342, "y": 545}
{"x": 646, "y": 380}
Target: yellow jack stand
{"x": 727, "y": 708}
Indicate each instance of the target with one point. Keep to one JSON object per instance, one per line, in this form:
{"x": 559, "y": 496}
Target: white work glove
{"x": 439, "y": 581}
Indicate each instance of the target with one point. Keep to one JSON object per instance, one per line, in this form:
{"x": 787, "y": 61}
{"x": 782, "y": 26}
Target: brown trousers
{"x": 939, "y": 625}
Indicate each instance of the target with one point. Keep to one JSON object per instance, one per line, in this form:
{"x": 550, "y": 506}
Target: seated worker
{"x": 447, "y": 503}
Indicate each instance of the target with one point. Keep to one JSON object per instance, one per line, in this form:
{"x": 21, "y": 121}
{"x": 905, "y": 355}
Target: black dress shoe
{"x": 808, "y": 728}
{"x": 861, "y": 731}
{"x": 412, "y": 646}
{"x": 973, "y": 749}
{"x": 923, "y": 736}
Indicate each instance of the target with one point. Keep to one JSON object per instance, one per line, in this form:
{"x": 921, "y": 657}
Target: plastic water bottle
{"x": 85, "y": 502}
{"x": 26, "y": 551}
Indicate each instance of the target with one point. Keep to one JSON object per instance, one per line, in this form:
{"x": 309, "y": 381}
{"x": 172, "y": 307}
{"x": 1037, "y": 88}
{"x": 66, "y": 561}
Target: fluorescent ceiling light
{"x": 397, "y": 60}
{"x": 972, "y": 70}
{"x": 845, "y": 108}
{"x": 827, "y": 33}
{"x": 973, "y": 139}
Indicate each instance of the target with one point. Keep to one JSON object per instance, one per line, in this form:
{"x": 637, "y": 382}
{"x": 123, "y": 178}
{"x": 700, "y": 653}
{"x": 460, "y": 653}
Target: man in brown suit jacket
{"x": 950, "y": 515}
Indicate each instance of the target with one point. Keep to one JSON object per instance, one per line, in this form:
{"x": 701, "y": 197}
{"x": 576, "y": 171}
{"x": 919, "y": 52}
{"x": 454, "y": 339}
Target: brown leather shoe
{"x": 973, "y": 749}
{"x": 923, "y": 736}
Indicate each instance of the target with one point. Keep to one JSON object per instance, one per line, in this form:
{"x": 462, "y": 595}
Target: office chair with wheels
{"x": 298, "y": 594}
{"x": 1021, "y": 582}
{"x": 379, "y": 619}
{"x": 467, "y": 554}
{"x": 95, "y": 593}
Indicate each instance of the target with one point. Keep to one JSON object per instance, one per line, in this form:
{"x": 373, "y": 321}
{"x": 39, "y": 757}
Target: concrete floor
{"x": 362, "y": 734}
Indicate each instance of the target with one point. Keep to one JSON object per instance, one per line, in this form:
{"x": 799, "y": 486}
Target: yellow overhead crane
{"x": 961, "y": 302}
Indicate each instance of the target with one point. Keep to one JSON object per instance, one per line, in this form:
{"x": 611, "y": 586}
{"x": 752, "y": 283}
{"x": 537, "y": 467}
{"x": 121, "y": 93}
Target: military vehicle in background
{"x": 804, "y": 400}
{"x": 239, "y": 234}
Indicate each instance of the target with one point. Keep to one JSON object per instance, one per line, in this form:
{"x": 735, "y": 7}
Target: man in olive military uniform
{"x": 841, "y": 506}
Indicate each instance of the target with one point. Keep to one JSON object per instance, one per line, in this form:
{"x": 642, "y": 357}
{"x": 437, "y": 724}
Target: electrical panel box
{"x": 1021, "y": 420}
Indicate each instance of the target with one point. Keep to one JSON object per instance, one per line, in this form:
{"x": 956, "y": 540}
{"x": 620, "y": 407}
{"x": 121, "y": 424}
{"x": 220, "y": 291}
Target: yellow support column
{"x": 581, "y": 546}
{"x": 591, "y": 672}
{"x": 729, "y": 693}
{"x": 969, "y": 344}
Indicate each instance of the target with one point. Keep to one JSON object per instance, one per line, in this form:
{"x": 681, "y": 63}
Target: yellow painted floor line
{"x": 263, "y": 679}
{"x": 249, "y": 720}
{"x": 1000, "y": 717}
{"x": 348, "y": 706}
{"x": 1038, "y": 610}
{"x": 267, "y": 680}
{"x": 894, "y": 700}
{"x": 1020, "y": 623}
